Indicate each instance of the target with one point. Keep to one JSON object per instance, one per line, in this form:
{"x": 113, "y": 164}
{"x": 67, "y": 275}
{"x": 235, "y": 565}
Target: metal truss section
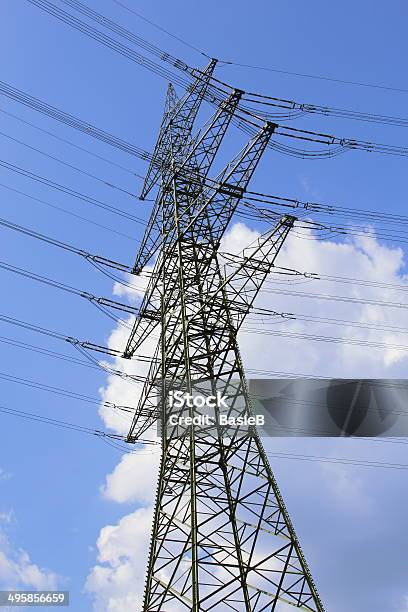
{"x": 184, "y": 113}
{"x": 199, "y": 160}
{"x": 251, "y": 269}
{"x": 195, "y": 165}
{"x": 222, "y": 538}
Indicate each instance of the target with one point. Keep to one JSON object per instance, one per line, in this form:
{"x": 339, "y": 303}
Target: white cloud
{"x": 133, "y": 479}
{"x": 7, "y": 517}
{"x": 18, "y": 571}
{"x": 121, "y": 391}
{"x": 363, "y": 258}
{"x": 4, "y": 475}
{"x": 116, "y": 581}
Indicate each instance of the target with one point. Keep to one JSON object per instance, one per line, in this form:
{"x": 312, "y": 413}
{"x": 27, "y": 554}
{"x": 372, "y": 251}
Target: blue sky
{"x": 54, "y": 475}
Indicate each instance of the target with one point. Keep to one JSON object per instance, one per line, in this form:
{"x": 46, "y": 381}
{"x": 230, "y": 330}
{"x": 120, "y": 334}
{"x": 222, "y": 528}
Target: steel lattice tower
{"x": 222, "y": 538}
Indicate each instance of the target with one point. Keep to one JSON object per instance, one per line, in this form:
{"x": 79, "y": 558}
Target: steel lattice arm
{"x": 184, "y": 110}
{"x": 201, "y": 157}
{"x": 252, "y": 268}
{"x": 197, "y": 164}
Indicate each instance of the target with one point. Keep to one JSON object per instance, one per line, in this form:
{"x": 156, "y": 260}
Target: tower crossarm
{"x": 184, "y": 111}
{"x": 146, "y": 413}
{"x": 210, "y": 222}
{"x": 242, "y": 285}
{"x": 237, "y": 173}
{"x": 211, "y": 219}
{"x": 213, "y": 210}
{"x": 195, "y": 165}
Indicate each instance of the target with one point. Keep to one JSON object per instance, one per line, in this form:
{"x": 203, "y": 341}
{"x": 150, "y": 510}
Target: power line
{"x": 64, "y": 357}
{"x": 274, "y": 108}
{"x": 246, "y": 119}
{"x": 47, "y": 352}
{"x": 28, "y": 382}
{"x": 89, "y": 362}
{"x": 295, "y": 108}
{"x": 327, "y": 231}
{"x": 210, "y": 464}
{"x": 155, "y": 25}
{"x": 252, "y": 210}
{"x": 113, "y": 44}
{"x": 72, "y": 144}
{"x": 97, "y": 261}
{"x": 251, "y": 197}
{"x": 105, "y": 305}
{"x": 360, "y": 281}
{"x": 65, "y": 246}
{"x": 265, "y": 68}
{"x": 72, "y": 121}
{"x": 342, "y": 461}
{"x": 260, "y": 313}
{"x": 57, "y": 423}
{"x": 328, "y": 228}
{"x": 114, "y": 27}
{"x": 251, "y": 200}
{"x": 329, "y": 339}
{"x": 68, "y": 165}
{"x": 72, "y": 192}
{"x": 102, "y": 434}
{"x": 310, "y": 229}
{"x": 338, "y": 298}
{"x": 87, "y": 345}
{"x": 67, "y": 212}
{"x": 318, "y": 77}
{"x": 109, "y": 438}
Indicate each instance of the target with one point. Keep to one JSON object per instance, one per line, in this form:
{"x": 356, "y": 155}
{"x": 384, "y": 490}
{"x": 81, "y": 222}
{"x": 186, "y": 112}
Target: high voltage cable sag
{"x": 65, "y": 246}
{"x": 112, "y": 352}
{"x": 72, "y": 192}
{"x": 103, "y": 304}
{"x": 265, "y": 68}
{"x": 67, "y": 212}
{"x": 78, "y": 124}
{"x": 340, "y": 144}
{"x": 293, "y": 108}
{"x": 68, "y": 165}
{"x": 72, "y": 144}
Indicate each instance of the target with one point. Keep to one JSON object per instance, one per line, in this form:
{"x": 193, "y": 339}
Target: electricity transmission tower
{"x": 222, "y": 538}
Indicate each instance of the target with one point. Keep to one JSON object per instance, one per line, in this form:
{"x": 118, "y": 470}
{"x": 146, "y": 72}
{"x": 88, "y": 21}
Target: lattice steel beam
{"x": 222, "y": 538}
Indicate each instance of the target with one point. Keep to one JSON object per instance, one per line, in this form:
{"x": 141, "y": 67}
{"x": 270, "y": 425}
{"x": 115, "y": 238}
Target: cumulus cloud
{"x": 7, "y": 517}
{"x": 131, "y": 480}
{"x": 18, "y": 571}
{"x": 362, "y": 258}
{"x": 116, "y": 581}
{"x": 4, "y": 475}
{"x": 16, "y": 568}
